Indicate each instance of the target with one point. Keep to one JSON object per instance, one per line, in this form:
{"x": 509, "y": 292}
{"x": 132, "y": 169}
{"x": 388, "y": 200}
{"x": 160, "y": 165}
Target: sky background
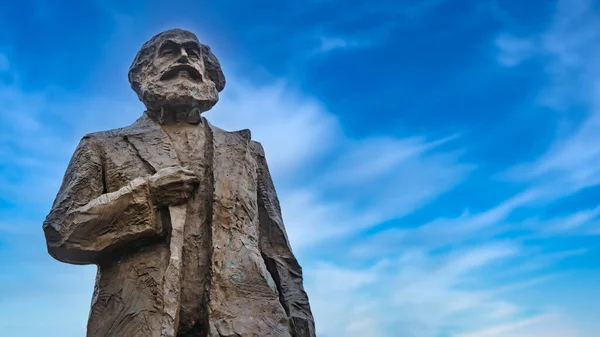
{"x": 437, "y": 161}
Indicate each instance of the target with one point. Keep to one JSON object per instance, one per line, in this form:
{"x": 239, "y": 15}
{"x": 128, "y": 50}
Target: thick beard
{"x": 179, "y": 97}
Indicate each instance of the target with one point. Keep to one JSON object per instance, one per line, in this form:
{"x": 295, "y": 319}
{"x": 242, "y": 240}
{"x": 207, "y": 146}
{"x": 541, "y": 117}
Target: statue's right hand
{"x": 172, "y": 185}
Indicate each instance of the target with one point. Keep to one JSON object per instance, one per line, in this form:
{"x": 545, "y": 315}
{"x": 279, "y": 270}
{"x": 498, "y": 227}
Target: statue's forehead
{"x": 179, "y": 38}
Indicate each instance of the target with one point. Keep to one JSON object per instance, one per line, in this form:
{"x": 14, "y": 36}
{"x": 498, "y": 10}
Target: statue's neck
{"x": 174, "y": 116}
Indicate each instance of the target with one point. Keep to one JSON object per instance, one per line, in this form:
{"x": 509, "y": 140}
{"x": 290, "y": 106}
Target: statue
{"x": 180, "y": 217}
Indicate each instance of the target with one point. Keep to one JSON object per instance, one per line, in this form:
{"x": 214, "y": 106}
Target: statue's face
{"x": 173, "y": 77}
{"x": 179, "y": 61}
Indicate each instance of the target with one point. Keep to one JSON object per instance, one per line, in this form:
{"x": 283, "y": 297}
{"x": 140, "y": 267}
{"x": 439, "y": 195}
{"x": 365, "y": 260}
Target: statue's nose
{"x": 184, "y": 56}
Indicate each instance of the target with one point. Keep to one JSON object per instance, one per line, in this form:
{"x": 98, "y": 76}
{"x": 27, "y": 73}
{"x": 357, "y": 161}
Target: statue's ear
{"x": 213, "y": 68}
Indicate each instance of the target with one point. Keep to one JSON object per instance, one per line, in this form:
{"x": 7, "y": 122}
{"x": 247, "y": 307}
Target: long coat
{"x": 239, "y": 276}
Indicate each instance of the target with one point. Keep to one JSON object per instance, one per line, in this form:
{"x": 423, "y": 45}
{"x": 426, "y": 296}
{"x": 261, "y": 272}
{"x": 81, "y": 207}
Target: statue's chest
{"x": 192, "y": 146}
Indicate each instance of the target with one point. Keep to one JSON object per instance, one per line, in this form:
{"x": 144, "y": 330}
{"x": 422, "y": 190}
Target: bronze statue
{"x": 181, "y": 217}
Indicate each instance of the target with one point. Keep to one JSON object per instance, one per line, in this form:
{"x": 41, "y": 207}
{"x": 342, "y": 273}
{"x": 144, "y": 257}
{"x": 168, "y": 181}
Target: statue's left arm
{"x": 277, "y": 253}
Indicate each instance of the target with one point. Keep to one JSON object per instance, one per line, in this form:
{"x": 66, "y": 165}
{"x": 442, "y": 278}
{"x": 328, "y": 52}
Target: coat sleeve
{"x": 86, "y": 222}
{"x": 277, "y": 253}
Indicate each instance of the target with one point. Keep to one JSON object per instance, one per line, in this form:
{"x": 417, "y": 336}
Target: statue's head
{"x": 174, "y": 73}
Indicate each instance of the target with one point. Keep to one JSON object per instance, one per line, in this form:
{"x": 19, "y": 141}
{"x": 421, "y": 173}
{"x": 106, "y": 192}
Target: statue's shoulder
{"x": 108, "y": 136}
{"x": 242, "y": 135}
{"x": 257, "y": 148}
{"x": 99, "y": 136}
{"x": 139, "y": 126}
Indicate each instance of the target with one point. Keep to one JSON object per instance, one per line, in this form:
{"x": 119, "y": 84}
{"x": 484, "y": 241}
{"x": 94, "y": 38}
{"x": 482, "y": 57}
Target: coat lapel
{"x": 152, "y": 144}
{"x": 231, "y": 152}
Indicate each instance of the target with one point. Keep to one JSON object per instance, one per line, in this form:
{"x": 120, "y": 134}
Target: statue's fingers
{"x": 184, "y": 195}
{"x": 187, "y": 171}
{"x": 184, "y": 171}
{"x": 188, "y": 188}
{"x": 191, "y": 180}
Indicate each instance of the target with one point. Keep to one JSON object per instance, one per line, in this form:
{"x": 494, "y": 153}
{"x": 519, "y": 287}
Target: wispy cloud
{"x": 353, "y": 311}
{"x": 332, "y": 43}
{"x": 419, "y": 293}
{"x": 514, "y": 50}
{"x": 550, "y": 325}
{"x": 569, "y": 49}
{"x": 443, "y": 233}
{"x": 358, "y": 25}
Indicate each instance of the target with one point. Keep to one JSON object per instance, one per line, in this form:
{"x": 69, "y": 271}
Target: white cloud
{"x": 418, "y": 294}
{"x": 441, "y": 233}
{"x": 373, "y": 157}
{"x": 571, "y": 46}
{"x": 547, "y": 325}
{"x": 339, "y": 301}
{"x": 570, "y": 224}
{"x": 429, "y": 286}
{"x": 332, "y": 43}
{"x": 504, "y": 310}
{"x": 513, "y": 50}
{"x": 569, "y": 49}
{"x": 309, "y": 219}
{"x": 373, "y": 35}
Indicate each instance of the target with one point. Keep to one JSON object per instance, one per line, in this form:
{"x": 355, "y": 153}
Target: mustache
{"x": 174, "y": 71}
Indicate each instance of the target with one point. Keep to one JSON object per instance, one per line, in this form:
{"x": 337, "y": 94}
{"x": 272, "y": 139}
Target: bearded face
{"x": 174, "y": 74}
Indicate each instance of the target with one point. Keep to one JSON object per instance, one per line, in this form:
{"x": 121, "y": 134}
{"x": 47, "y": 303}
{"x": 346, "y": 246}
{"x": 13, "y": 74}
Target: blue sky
{"x": 437, "y": 160}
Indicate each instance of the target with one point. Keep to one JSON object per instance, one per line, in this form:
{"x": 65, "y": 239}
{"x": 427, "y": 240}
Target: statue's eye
{"x": 193, "y": 53}
{"x": 168, "y": 48}
{"x": 168, "y": 51}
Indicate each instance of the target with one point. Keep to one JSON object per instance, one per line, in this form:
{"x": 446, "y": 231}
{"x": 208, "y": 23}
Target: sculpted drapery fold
{"x": 277, "y": 252}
